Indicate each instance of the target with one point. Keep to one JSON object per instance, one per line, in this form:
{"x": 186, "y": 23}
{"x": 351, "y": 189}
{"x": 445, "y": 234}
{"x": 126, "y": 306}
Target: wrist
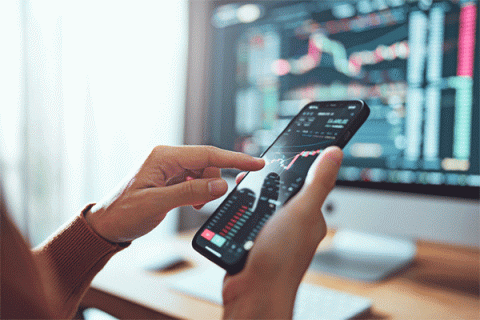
{"x": 92, "y": 218}
{"x": 247, "y": 300}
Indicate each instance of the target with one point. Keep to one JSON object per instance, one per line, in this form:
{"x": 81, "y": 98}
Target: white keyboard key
{"x": 314, "y": 302}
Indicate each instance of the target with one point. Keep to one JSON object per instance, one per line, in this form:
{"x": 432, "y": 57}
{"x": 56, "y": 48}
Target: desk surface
{"x": 441, "y": 283}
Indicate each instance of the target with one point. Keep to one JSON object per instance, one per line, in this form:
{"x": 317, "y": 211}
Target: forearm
{"x": 69, "y": 260}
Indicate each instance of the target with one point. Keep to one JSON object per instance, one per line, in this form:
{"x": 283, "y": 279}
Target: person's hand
{"x": 283, "y": 250}
{"x": 170, "y": 177}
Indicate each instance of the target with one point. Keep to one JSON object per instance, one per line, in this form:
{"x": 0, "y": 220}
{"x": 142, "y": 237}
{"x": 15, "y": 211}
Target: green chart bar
{"x": 463, "y": 116}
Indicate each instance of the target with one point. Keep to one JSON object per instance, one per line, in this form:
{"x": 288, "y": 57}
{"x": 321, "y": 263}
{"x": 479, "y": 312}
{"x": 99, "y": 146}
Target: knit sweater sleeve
{"x": 69, "y": 260}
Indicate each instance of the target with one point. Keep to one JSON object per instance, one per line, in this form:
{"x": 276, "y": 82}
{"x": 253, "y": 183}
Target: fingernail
{"x": 217, "y": 187}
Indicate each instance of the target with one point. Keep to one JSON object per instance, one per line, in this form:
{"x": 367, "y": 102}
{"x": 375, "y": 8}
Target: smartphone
{"x": 229, "y": 233}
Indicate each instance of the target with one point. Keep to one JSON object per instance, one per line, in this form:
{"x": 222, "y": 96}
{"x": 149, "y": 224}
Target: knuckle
{"x": 157, "y": 150}
{"x": 313, "y": 224}
{"x": 211, "y": 149}
{"x": 211, "y": 153}
{"x": 188, "y": 188}
{"x": 195, "y": 192}
{"x": 321, "y": 230}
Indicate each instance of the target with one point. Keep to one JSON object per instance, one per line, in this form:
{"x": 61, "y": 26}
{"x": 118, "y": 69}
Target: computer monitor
{"x": 413, "y": 169}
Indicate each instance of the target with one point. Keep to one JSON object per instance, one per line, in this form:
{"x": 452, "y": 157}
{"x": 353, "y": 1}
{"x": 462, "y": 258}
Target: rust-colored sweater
{"x": 49, "y": 281}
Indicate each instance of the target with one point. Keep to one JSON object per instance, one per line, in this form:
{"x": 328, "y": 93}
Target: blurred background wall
{"x": 88, "y": 88}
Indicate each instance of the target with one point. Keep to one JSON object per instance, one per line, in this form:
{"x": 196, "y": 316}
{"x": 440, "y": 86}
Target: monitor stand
{"x": 362, "y": 256}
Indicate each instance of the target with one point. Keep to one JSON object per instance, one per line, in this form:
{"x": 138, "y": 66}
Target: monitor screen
{"x": 415, "y": 63}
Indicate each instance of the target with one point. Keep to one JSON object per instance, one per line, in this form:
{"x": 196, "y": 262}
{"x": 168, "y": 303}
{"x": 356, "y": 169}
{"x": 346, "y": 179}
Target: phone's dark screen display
{"x": 233, "y": 227}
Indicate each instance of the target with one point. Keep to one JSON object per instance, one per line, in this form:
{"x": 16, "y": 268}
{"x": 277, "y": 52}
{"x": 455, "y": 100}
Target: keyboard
{"x": 312, "y": 302}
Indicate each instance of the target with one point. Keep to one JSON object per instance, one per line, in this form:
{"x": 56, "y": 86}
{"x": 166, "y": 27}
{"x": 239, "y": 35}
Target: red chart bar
{"x": 466, "y": 40}
{"x": 294, "y": 159}
{"x": 301, "y": 154}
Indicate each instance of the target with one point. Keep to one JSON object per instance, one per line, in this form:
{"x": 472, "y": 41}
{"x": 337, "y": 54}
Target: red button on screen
{"x": 207, "y": 234}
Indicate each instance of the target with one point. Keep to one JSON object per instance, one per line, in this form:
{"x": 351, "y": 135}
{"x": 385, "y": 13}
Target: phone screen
{"x": 231, "y": 230}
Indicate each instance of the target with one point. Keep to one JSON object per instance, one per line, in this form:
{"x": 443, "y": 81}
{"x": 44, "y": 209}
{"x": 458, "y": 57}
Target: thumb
{"x": 191, "y": 192}
{"x": 321, "y": 177}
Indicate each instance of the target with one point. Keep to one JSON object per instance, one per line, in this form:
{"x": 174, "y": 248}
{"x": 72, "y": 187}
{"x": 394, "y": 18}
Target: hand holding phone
{"x": 230, "y": 232}
{"x": 266, "y": 287}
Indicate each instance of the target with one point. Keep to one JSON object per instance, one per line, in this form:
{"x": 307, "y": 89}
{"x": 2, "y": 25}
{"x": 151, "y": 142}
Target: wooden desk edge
{"x": 119, "y": 307}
